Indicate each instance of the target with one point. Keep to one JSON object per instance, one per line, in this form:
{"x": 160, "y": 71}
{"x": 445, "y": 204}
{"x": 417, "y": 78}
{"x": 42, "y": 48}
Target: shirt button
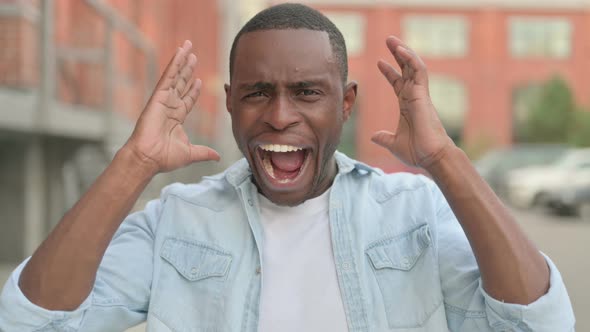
{"x": 258, "y": 270}
{"x": 345, "y": 266}
{"x": 250, "y": 202}
{"x": 406, "y": 262}
{"x": 194, "y": 271}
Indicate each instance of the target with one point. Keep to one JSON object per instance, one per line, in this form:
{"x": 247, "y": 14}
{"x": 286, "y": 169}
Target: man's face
{"x": 288, "y": 104}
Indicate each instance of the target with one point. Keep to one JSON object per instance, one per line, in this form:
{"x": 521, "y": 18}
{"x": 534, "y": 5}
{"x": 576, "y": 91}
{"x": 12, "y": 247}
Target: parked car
{"x": 582, "y": 202}
{"x": 546, "y": 185}
{"x": 495, "y": 165}
{"x": 572, "y": 200}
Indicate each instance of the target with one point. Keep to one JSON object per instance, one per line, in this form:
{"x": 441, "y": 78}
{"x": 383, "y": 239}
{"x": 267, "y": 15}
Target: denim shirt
{"x": 191, "y": 262}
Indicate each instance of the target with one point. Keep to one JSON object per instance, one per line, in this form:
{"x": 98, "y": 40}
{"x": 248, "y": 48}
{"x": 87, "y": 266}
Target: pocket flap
{"x": 400, "y": 252}
{"x": 195, "y": 260}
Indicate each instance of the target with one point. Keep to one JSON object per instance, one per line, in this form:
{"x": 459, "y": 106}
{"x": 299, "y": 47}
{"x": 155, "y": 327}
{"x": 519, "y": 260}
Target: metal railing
{"x": 50, "y": 54}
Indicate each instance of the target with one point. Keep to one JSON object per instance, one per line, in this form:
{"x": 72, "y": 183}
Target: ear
{"x": 227, "y": 89}
{"x": 350, "y": 91}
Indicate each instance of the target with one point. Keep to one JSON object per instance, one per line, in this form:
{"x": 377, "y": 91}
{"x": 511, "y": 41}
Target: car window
{"x": 503, "y": 160}
{"x": 573, "y": 159}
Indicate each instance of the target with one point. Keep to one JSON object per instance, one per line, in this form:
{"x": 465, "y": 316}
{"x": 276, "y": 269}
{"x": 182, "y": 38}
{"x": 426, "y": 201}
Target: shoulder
{"x": 403, "y": 181}
{"x": 387, "y": 186}
{"x": 212, "y": 192}
{"x": 383, "y": 186}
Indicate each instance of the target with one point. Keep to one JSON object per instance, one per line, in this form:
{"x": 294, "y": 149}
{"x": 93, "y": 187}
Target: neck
{"x": 325, "y": 182}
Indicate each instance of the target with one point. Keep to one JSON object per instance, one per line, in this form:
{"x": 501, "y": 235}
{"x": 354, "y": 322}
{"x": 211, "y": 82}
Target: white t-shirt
{"x": 300, "y": 289}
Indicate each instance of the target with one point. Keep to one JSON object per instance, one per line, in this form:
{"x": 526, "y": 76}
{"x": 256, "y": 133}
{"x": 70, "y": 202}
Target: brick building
{"x": 74, "y": 76}
{"x": 484, "y": 58}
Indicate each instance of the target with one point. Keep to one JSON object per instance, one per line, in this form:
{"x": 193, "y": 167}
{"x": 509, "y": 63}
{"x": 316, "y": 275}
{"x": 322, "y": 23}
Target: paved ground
{"x": 565, "y": 239}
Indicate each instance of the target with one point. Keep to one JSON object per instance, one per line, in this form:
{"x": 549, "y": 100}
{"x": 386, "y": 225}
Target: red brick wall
{"x": 18, "y": 58}
{"x": 488, "y": 72}
{"x": 199, "y": 22}
{"x": 165, "y": 23}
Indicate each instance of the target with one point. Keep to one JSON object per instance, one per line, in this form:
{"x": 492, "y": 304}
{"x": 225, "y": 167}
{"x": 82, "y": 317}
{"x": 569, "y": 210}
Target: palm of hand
{"x": 159, "y": 138}
{"x": 420, "y": 135}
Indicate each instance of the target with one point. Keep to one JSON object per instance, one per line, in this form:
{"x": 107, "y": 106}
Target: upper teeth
{"x": 279, "y": 148}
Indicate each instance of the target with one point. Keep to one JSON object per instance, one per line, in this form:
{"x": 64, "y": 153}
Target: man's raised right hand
{"x": 159, "y": 140}
{"x": 62, "y": 271}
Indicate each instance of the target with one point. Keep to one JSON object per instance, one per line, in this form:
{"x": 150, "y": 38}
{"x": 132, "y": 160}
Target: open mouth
{"x": 283, "y": 164}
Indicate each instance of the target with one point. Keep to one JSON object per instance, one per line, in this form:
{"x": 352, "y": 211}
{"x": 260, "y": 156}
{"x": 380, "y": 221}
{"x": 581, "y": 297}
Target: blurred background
{"x": 510, "y": 80}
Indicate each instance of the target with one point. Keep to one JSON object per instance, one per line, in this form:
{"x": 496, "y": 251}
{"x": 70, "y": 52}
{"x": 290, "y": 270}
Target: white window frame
{"x": 523, "y": 31}
{"x": 353, "y": 28}
{"x": 444, "y": 36}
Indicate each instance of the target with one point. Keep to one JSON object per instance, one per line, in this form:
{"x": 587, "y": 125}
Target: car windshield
{"x": 539, "y": 156}
{"x": 522, "y": 157}
{"x": 573, "y": 159}
{"x": 519, "y": 156}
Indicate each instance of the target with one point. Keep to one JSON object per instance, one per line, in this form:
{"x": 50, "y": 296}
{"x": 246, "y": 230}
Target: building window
{"x": 352, "y": 26}
{"x": 449, "y": 96}
{"x": 540, "y": 37}
{"x": 436, "y": 35}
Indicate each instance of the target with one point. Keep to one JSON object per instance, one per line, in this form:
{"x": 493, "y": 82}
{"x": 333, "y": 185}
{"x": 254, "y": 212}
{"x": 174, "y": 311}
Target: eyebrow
{"x": 256, "y": 86}
{"x": 302, "y": 84}
{"x": 270, "y": 86}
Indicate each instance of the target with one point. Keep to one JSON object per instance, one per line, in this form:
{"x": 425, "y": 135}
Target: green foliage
{"x": 551, "y": 114}
{"x": 555, "y": 118}
{"x": 579, "y": 134}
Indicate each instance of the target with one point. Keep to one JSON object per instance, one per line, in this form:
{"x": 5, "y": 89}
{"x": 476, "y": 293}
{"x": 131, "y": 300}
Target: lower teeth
{"x": 268, "y": 167}
{"x": 266, "y": 163}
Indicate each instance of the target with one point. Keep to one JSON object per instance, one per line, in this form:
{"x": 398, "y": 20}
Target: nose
{"x": 281, "y": 114}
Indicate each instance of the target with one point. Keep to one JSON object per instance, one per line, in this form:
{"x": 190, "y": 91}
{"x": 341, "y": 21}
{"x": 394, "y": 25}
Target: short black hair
{"x": 295, "y": 16}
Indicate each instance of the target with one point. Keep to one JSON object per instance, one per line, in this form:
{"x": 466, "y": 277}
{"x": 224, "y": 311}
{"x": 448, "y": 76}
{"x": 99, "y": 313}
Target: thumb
{"x": 203, "y": 153}
{"x": 385, "y": 139}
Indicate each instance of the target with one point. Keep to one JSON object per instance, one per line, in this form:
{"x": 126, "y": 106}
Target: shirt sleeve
{"x": 469, "y": 308}
{"x": 119, "y": 298}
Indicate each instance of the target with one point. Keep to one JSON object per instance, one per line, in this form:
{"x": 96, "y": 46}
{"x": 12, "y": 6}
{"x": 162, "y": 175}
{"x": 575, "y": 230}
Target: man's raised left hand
{"x": 420, "y": 139}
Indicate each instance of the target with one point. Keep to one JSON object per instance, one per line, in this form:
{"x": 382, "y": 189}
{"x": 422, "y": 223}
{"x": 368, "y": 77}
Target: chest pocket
{"x": 195, "y": 261}
{"x": 406, "y": 271}
{"x": 191, "y": 286}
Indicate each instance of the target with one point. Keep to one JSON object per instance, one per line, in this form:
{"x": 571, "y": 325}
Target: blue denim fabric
{"x": 190, "y": 262}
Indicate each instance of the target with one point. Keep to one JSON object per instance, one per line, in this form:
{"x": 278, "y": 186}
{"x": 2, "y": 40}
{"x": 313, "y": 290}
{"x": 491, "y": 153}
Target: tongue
{"x": 288, "y": 161}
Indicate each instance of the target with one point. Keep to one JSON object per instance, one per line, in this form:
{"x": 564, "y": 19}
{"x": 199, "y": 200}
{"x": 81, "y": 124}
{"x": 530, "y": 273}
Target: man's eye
{"x": 308, "y": 92}
{"x": 255, "y": 94}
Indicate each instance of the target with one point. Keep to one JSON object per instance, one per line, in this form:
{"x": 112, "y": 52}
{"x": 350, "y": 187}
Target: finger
{"x": 184, "y": 77}
{"x": 396, "y": 46}
{"x": 384, "y": 138}
{"x": 202, "y": 153}
{"x": 191, "y": 97}
{"x": 391, "y": 74}
{"x": 165, "y": 81}
{"x": 188, "y": 87}
{"x": 413, "y": 61}
{"x": 174, "y": 66}
{"x": 392, "y": 42}
{"x": 187, "y": 45}
{"x": 175, "y": 69}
